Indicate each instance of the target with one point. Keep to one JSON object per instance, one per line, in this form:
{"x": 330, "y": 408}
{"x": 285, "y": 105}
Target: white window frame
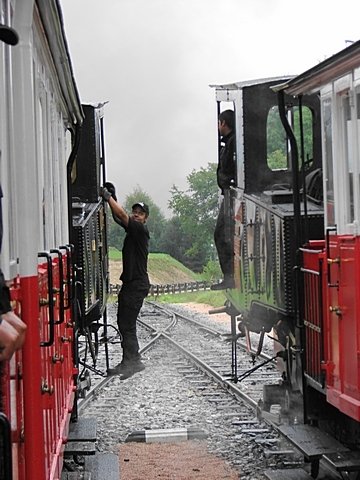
{"x": 341, "y": 87}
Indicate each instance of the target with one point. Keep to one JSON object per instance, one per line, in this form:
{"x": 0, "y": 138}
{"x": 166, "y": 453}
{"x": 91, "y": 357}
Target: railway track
{"x": 200, "y": 352}
{"x": 215, "y": 360}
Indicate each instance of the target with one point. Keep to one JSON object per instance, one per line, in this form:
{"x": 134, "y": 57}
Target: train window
{"x": 328, "y": 154}
{"x": 277, "y": 145}
{"x": 277, "y": 158}
{"x": 348, "y": 156}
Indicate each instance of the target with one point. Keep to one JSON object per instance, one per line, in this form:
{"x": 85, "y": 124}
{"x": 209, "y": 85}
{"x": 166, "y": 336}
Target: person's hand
{"x": 111, "y": 188}
{"x": 19, "y": 326}
{"x": 105, "y": 194}
{"x": 12, "y": 335}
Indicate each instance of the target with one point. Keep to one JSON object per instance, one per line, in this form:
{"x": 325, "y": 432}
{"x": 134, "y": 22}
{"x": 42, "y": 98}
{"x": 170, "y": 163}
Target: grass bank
{"x": 215, "y": 299}
{"x": 163, "y": 270}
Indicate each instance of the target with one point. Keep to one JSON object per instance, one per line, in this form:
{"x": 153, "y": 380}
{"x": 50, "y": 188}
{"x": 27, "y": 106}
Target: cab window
{"x": 278, "y": 157}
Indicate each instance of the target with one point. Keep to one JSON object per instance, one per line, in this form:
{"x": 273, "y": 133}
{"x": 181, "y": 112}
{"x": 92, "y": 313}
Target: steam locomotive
{"x": 54, "y": 249}
{"x": 294, "y": 221}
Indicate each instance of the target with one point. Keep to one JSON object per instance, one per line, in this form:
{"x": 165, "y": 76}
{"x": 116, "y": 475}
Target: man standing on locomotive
{"x": 226, "y": 177}
{"x": 134, "y": 277}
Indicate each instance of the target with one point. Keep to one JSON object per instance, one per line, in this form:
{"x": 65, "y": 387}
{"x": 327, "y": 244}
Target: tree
{"x": 174, "y": 241}
{"x": 196, "y": 209}
{"x": 116, "y": 234}
{"x": 277, "y": 146}
{"x": 155, "y": 222}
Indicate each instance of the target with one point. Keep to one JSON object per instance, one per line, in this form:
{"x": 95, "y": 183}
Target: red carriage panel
{"x": 331, "y": 319}
{"x": 57, "y": 368}
{"x": 315, "y": 349}
{"x": 343, "y": 318}
{"x": 37, "y": 388}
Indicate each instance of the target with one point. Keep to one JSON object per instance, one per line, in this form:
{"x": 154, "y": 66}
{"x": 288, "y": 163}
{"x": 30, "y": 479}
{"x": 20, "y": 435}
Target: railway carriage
{"x": 329, "y": 265}
{"x": 294, "y": 220}
{"x": 54, "y": 249}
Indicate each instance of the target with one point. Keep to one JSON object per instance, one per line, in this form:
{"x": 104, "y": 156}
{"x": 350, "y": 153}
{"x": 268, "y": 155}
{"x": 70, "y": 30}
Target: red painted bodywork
{"x": 338, "y": 333}
{"x": 41, "y": 378}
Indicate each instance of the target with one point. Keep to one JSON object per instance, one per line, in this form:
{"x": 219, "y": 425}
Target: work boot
{"x": 118, "y": 369}
{"x": 228, "y": 282}
{"x": 130, "y": 369}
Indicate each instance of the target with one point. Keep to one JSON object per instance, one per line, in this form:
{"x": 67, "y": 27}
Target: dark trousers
{"x": 224, "y": 242}
{"x": 130, "y": 301}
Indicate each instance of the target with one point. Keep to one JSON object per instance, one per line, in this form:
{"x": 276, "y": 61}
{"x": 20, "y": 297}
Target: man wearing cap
{"x": 135, "y": 280}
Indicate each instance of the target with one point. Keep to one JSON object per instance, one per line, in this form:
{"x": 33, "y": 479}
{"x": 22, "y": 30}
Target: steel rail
{"x": 212, "y": 373}
{"x": 241, "y": 344}
{"x": 102, "y": 383}
{"x": 162, "y": 332}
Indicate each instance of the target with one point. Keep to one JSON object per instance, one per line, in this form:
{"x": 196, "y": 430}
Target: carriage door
{"x": 342, "y": 230}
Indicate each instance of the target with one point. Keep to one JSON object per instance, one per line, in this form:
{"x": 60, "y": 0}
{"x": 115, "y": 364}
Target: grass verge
{"x": 215, "y": 299}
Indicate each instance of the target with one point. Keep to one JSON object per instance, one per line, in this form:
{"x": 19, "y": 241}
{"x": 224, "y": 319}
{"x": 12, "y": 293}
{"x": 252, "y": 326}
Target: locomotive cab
{"x": 261, "y": 209}
{"x": 88, "y": 235}
{"x": 88, "y": 232}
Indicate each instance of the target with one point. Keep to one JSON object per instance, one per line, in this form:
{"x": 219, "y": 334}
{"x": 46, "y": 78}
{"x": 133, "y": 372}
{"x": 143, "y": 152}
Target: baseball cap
{"x": 8, "y": 35}
{"x": 143, "y": 206}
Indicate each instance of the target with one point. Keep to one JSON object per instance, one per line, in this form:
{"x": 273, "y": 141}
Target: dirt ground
{"x": 204, "y": 309}
{"x": 172, "y": 461}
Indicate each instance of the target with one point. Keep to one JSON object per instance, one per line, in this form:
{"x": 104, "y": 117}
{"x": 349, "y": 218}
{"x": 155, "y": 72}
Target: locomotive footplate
{"x": 287, "y": 474}
{"x": 344, "y": 461}
{"x": 312, "y": 443}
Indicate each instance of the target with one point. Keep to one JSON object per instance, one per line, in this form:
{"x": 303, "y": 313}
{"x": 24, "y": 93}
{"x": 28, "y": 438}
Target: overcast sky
{"x": 154, "y": 60}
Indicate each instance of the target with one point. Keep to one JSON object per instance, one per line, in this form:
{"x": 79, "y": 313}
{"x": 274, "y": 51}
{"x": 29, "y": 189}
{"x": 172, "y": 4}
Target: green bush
{"x": 211, "y": 271}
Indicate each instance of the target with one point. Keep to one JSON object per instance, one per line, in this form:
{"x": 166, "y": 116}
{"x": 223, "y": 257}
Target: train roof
{"x": 52, "y": 19}
{"x": 249, "y": 83}
{"x": 334, "y": 67}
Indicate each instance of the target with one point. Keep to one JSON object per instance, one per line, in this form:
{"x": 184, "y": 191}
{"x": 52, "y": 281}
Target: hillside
{"x": 162, "y": 269}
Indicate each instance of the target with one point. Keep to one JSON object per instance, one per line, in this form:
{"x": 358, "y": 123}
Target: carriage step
{"x": 344, "y": 461}
{"x": 312, "y": 442}
{"x": 103, "y": 466}
{"x": 84, "y": 430}
{"x": 288, "y": 474}
{"x": 82, "y": 437}
{"x": 79, "y": 448}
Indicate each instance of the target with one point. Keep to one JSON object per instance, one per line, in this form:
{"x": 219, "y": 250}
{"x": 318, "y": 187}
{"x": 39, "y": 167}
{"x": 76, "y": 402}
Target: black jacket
{"x": 226, "y": 171}
{"x": 135, "y": 254}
